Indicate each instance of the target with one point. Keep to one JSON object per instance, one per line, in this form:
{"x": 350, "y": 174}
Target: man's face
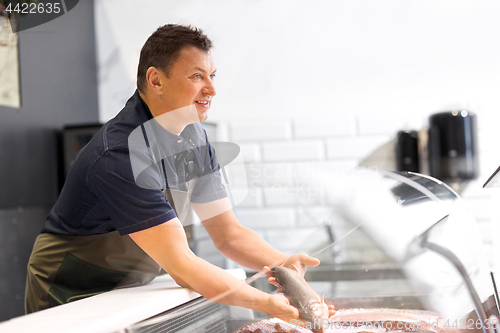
{"x": 190, "y": 81}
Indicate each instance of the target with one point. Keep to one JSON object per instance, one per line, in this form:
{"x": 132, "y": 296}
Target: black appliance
{"x": 407, "y": 151}
{"x": 452, "y": 145}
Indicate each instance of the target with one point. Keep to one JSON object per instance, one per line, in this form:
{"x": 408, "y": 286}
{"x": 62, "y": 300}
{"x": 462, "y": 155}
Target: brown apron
{"x": 63, "y": 269}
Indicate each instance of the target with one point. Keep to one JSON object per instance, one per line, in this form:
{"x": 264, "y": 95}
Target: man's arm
{"x": 241, "y": 244}
{"x": 167, "y": 245}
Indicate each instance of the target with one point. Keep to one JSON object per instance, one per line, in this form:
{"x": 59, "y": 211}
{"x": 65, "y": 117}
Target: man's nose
{"x": 209, "y": 88}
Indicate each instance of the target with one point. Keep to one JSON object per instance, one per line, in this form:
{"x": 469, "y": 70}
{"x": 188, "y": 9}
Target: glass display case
{"x": 394, "y": 246}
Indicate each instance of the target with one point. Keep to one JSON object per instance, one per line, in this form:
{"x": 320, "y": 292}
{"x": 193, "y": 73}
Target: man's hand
{"x": 297, "y": 262}
{"x": 331, "y": 310}
{"x": 279, "y": 306}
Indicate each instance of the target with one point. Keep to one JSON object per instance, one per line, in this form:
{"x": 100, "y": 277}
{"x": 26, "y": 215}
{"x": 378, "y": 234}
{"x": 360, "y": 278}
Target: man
{"x": 118, "y": 219}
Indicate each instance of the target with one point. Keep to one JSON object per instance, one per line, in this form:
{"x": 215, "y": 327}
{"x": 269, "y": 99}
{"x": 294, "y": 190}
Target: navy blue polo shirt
{"x": 117, "y": 179}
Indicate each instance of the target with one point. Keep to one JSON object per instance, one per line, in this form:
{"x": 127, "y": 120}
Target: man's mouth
{"x": 203, "y": 103}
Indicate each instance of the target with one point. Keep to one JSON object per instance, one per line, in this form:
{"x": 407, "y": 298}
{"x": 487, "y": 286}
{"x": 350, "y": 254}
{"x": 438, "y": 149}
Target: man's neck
{"x": 173, "y": 121}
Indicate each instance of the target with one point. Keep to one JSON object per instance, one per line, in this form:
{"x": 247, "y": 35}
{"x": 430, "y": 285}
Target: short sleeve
{"x": 209, "y": 187}
{"x": 131, "y": 207}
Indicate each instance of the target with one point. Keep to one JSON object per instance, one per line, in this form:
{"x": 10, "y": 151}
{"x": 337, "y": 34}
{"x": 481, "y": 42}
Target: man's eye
{"x": 212, "y": 76}
{"x": 197, "y": 76}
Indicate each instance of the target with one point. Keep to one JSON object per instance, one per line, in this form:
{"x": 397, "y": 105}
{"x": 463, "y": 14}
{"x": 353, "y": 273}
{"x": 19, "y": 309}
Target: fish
{"x": 299, "y": 293}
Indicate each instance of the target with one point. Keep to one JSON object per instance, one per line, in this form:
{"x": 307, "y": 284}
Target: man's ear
{"x": 153, "y": 80}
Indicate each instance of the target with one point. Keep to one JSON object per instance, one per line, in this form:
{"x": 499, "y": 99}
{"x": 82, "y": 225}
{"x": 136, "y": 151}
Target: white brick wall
{"x": 205, "y": 249}
{"x": 253, "y": 196}
{"x": 297, "y": 150}
{"x": 251, "y": 152}
{"x": 264, "y": 174}
{"x": 318, "y": 127}
{"x": 260, "y": 131}
{"x": 301, "y": 195}
{"x": 379, "y": 123}
{"x": 266, "y": 218}
{"x": 354, "y": 148}
{"x": 304, "y": 240}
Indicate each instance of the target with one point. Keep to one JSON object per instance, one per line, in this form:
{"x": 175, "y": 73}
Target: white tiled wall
{"x": 341, "y": 126}
{"x": 355, "y": 148}
{"x": 261, "y": 131}
{"x": 294, "y": 150}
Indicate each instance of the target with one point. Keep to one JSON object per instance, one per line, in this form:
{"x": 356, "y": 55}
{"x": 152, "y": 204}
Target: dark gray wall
{"x": 58, "y": 87}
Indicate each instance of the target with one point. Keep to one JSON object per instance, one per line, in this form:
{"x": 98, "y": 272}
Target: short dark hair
{"x": 163, "y": 47}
